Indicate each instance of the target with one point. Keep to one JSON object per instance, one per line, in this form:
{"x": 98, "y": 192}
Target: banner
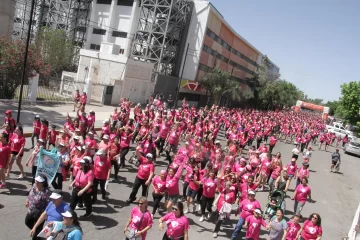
{"x": 48, "y": 164}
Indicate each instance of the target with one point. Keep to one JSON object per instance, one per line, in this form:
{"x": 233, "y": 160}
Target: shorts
{"x": 334, "y": 162}
{"x": 172, "y": 198}
{"x": 291, "y": 176}
{"x": 16, "y": 153}
{"x": 191, "y": 193}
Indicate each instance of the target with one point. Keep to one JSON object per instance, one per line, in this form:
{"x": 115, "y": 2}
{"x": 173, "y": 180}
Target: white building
{"x": 6, "y": 18}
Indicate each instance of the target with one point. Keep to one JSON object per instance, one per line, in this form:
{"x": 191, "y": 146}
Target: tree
{"x": 11, "y": 63}
{"x": 333, "y": 105}
{"x": 349, "y": 103}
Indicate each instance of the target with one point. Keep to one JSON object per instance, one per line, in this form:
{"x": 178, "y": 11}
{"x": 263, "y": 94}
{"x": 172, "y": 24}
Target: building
{"x": 213, "y": 43}
{"x": 7, "y": 8}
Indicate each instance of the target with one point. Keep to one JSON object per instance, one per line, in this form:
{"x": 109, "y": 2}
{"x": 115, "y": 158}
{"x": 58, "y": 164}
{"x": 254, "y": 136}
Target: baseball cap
{"x": 187, "y": 143}
{"x": 251, "y": 192}
{"x": 67, "y": 214}
{"x": 92, "y": 111}
{"x": 61, "y": 144}
{"x": 91, "y": 133}
{"x": 105, "y": 136}
{"x": 8, "y": 112}
{"x": 257, "y": 211}
{"x": 106, "y": 121}
{"x": 40, "y": 140}
{"x": 40, "y": 179}
{"x": 293, "y": 160}
{"x": 149, "y": 155}
{"x": 217, "y": 142}
{"x": 37, "y": 116}
{"x": 101, "y": 152}
{"x": 61, "y": 131}
{"x": 56, "y": 194}
{"x": 76, "y": 137}
{"x": 77, "y": 130}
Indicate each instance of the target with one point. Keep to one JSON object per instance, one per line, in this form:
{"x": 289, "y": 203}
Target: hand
{"x": 80, "y": 193}
{"x": 138, "y": 234}
{"x": 70, "y": 187}
{"x": 32, "y": 232}
{"x": 125, "y": 229}
{"x": 147, "y": 183}
{"x": 245, "y": 226}
{"x": 27, "y": 203}
{"x": 161, "y": 226}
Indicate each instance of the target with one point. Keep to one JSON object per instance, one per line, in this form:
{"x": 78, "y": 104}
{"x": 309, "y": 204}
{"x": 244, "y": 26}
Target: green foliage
{"x": 349, "y": 104}
{"x": 333, "y": 105}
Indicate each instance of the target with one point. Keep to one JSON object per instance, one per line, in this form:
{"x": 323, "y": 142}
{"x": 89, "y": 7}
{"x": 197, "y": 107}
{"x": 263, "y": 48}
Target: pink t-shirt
{"x": 192, "y": 184}
{"x": 105, "y": 130}
{"x": 36, "y": 126}
{"x": 245, "y": 188}
{"x": 82, "y": 179}
{"x": 101, "y": 167}
{"x": 302, "y": 192}
{"x": 229, "y": 197}
{"x": 254, "y": 226}
{"x": 125, "y": 139}
{"x": 293, "y": 229}
{"x": 303, "y": 172}
{"x": 175, "y": 226}
{"x": 247, "y": 208}
{"x": 5, "y": 152}
{"x": 17, "y": 143}
{"x": 265, "y": 167}
{"x": 172, "y": 183}
{"x": 291, "y": 169}
{"x": 145, "y": 168}
{"x": 209, "y": 187}
{"x": 136, "y": 216}
{"x": 174, "y": 138}
{"x": 310, "y": 231}
{"x": 159, "y": 185}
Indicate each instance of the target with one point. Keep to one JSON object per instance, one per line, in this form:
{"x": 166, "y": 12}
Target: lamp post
{"x": 182, "y": 72}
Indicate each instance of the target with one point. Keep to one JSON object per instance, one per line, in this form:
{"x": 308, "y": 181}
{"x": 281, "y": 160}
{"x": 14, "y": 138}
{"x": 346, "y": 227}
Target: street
{"x": 335, "y": 195}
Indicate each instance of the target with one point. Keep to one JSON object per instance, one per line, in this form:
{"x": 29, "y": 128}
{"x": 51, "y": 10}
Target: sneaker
{"x": 215, "y": 235}
{"x": 7, "y": 177}
{"x": 201, "y": 219}
{"x": 86, "y": 215}
{"x": 3, "y": 185}
{"x": 79, "y": 207}
{"x": 331, "y": 170}
{"x": 21, "y": 176}
{"x": 186, "y": 211}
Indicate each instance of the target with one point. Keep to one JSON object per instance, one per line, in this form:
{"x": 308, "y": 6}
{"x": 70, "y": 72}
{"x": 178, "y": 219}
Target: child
{"x": 253, "y": 224}
{"x": 52, "y": 136}
{"x": 44, "y": 129}
{"x": 36, "y": 132}
{"x": 293, "y": 228}
{"x": 271, "y": 210}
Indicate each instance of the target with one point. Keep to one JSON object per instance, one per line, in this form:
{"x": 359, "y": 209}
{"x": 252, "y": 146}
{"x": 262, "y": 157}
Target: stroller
{"x": 276, "y": 202}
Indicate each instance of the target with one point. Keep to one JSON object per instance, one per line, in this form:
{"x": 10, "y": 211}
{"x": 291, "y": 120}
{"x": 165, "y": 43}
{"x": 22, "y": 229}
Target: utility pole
{"x": 23, "y": 75}
{"x": 181, "y": 76}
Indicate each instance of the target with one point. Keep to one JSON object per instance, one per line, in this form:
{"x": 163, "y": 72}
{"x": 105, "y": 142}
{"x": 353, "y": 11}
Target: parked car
{"x": 353, "y": 147}
{"x": 342, "y": 133}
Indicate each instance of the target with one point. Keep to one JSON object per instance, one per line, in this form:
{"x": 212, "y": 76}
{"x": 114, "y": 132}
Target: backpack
{"x": 63, "y": 234}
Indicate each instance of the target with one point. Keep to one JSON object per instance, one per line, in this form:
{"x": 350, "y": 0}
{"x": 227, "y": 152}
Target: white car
{"x": 353, "y": 147}
{"x": 342, "y": 133}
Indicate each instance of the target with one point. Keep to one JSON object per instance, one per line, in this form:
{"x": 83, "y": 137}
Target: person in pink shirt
{"x": 17, "y": 151}
{"x": 76, "y": 99}
{"x": 144, "y": 175}
{"x": 177, "y": 224}
{"x": 172, "y": 142}
{"x": 311, "y": 229}
{"x": 159, "y": 186}
{"x": 301, "y": 194}
{"x": 293, "y": 228}
{"x": 291, "y": 168}
{"x": 82, "y": 186}
{"x": 303, "y": 172}
{"x": 246, "y": 208}
{"x": 245, "y": 187}
{"x": 194, "y": 185}
{"x": 83, "y": 99}
{"x": 36, "y": 131}
{"x": 273, "y": 141}
{"x": 209, "y": 184}
{"x": 91, "y": 121}
{"x": 5, "y": 152}
{"x": 140, "y": 221}
{"x": 104, "y": 144}
{"x": 102, "y": 168}
{"x": 253, "y": 225}
{"x": 125, "y": 138}
{"x": 91, "y": 143}
{"x": 105, "y": 129}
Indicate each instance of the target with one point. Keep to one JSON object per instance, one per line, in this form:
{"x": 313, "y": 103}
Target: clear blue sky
{"x": 316, "y": 43}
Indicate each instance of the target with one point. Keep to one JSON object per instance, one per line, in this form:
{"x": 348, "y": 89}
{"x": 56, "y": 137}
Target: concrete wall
{"x": 7, "y": 8}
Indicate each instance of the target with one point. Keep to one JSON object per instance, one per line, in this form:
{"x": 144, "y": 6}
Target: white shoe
{"x": 20, "y": 176}
{"x": 201, "y": 219}
{"x": 186, "y": 211}
{"x": 215, "y": 235}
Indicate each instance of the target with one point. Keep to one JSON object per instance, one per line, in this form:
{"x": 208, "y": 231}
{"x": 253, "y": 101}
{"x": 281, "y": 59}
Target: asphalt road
{"x": 336, "y": 196}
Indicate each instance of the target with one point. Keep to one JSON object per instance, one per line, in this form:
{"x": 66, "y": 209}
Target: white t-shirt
{"x": 296, "y": 151}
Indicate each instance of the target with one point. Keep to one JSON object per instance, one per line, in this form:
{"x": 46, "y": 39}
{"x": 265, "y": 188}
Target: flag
{"x": 48, "y": 164}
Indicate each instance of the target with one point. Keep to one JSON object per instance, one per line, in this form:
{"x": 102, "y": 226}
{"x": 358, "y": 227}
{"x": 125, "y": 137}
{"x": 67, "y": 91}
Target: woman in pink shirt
{"x": 172, "y": 186}
{"x": 311, "y": 230}
{"x": 82, "y": 186}
{"x": 159, "y": 185}
{"x": 17, "y": 151}
{"x": 5, "y": 152}
{"x": 301, "y": 194}
{"x": 303, "y": 172}
{"x": 172, "y": 141}
{"x": 125, "y": 139}
{"x": 194, "y": 185}
{"x": 177, "y": 224}
{"x": 36, "y": 131}
{"x": 102, "y": 168}
{"x": 291, "y": 168}
{"x": 253, "y": 225}
{"x": 209, "y": 184}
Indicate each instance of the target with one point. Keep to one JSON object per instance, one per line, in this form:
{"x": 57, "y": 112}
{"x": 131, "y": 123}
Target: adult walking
{"x": 144, "y": 175}
{"x": 5, "y": 152}
{"x": 70, "y": 227}
{"x": 159, "y": 185}
{"x": 335, "y": 159}
{"x": 17, "y": 151}
{"x": 278, "y": 226}
{"x": 208, "y": 196}
{"x": 301, "y": 194}
{"x": 34, "y": 158}
{"x": 311, "y": 229}
{"x": 102, "y": 169}
{"x": 140, "y": 221}
{"x": 38, "y": 199}
{"x": 177, "y": 224}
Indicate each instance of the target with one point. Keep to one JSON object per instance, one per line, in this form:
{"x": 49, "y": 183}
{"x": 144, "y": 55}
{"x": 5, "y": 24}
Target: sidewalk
{"x": 55, "y": 113}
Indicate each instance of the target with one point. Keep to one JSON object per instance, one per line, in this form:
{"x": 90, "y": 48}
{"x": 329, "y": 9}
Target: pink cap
{"x": 163, "y": 172}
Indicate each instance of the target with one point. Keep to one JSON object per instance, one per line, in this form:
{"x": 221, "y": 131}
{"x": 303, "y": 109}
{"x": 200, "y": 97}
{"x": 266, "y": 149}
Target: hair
{"x": 20, "y": 129}
{"x": 318, "y": 223}
{"x": 251, "y": 176}
{"x": 282, "y": 211}
{"x": 6, "y": 136}
{"x": 75, "y": 220}
{"x": 45, "y": 184}
{"x": 86, "y": 167}
{"x": 306, "y": 179}
{"x": 143, "y": 199}
{"x": 180, "y": 206}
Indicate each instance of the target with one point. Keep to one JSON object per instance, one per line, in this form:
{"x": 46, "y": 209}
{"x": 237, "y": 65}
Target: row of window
{"x": 100, "y": 31}
{"x": 97, "y": 48}
{"x": 128, "y": 3}
{"x": 226, "y": 60}
{"x": 216, "y": 38}
{"x": 205, "y": 68}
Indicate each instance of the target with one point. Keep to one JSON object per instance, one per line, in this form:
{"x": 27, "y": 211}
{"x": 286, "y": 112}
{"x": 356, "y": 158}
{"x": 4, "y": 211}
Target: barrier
{"x": 354, "y": 230}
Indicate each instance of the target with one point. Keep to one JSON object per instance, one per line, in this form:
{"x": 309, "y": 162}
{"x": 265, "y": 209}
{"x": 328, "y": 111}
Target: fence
{"x": 354, "y": 233}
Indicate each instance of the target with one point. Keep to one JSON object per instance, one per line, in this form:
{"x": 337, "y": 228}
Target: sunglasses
{"x": 140, "y": 203}
{"x": 175, "y": 209}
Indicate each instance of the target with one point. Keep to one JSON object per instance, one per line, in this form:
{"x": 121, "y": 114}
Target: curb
{"x": 27, "y": 135}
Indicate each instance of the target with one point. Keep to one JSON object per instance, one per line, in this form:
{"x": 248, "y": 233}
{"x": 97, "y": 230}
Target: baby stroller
{"x": 277, "y": 201}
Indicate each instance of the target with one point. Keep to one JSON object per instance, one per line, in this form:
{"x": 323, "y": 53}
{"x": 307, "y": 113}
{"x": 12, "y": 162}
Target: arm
{"x": 277, "y": 181}
{"x": 284, "y": 236}
{"x": 127, "y": 224}
{"x": 41, "y": 219}
{"x": 143, "y": 231}
{"x": 186, "y": 235}
{"x": 148, "y": 181}
{"x": 88, "y": 185}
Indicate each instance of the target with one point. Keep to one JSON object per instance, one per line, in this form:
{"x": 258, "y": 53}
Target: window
{"x": 17, "y": 20}
{"x": 109, "y": 90}
{"x": 119, "y": 34}
{"x": 81, "y": 29}
{"x": 95, "y": 47}
{"x": 212, "y": 35}
{"x": 99, "y": 31}
{"x": 121, "y": 51}
{"x": 128, "y": 3}
{"x": 104, "y": 2}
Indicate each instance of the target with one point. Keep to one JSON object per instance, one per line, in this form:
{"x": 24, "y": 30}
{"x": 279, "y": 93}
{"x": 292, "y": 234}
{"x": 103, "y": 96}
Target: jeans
{"x": 137, "y": 183}
{"x": 157, "y": 199}
{"x": 199, "y": 194}
{"x": 58, "y": 181}
{"x": 102, "y": 187}
{"x": 34, "y": 135}
{"x": 86, "y": 197}
{"x": 33, "y": 173}
{"x": 186, "y": 184}
{"x": 298, "y": 181}
{"x": 271, "y": 184}
{"x": 206, "y": 203}
{"x": 298, "y": 206}
{"x": 238, "y": 227}
{"x": 124, "y": 151}
{"x": 161, "y": 144}
{"x": 30, "y": 221}
{"x": 116, "y": 168}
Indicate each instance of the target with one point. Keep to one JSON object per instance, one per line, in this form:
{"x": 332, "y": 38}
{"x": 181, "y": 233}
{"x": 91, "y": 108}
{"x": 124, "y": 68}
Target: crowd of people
{"x": 218, "y": 179}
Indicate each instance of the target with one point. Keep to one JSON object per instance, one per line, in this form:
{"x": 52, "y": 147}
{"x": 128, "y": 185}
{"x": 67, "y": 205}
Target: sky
{"x": 316, "y": 43}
